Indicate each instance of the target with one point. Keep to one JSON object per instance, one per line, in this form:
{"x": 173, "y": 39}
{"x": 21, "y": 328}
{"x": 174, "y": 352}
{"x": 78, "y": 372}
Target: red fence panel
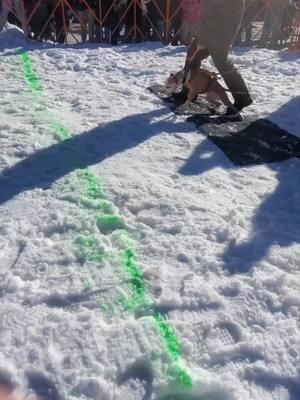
{"x": 265, "y": 23}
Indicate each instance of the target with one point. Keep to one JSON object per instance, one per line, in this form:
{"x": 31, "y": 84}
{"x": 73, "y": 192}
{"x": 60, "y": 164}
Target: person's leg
{"x": 238, "y": 38}
{"x": 20, "y": 11}
{"x": 6, "y": 7}
{"x": 38, "y": 22}
{"x": 175, "y": 23}
{"x": 251, "y": 13}
{"x": 114, "y": 28}
{"x": 188, "y": 33}
{"x": 232, "y": 78}
{"x": 191, "y": 33}
{"x": 91, "y": 24}
{"x": 83, "y": 25}
{"x": 98, "y": 33}
{"x": 266, "y": 32}
{"x": 140, "y": 25}
{"x": 248, "y": 33}
{"x": 160, "y": 28}
{"x": 184, "y": 34}
{"x": 276, "y": 26}
{"x": 60, "y": 24}
{"x": 129, "y": 23}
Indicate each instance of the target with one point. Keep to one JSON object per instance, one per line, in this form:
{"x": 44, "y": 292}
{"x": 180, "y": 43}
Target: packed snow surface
{"x": 217, "y": 245}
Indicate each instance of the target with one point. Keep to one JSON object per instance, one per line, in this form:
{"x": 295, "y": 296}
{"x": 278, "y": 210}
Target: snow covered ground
{"x": 219, "y": 246}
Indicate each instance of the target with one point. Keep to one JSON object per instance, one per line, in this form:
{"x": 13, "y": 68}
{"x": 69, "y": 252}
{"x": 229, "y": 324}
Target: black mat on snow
{"x": 247, "y": 142}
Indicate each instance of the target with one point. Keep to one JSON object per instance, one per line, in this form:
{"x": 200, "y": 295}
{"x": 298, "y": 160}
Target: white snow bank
{"x": 192, "y": 215}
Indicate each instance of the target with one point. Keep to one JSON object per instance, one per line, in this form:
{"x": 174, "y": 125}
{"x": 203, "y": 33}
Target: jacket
{"x": 190, "y": 11}
{"x": 219, "y": 23}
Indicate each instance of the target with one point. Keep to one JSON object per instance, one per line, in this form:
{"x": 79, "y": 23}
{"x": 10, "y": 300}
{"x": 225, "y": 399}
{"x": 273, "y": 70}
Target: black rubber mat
{"x": 247, "y": 142}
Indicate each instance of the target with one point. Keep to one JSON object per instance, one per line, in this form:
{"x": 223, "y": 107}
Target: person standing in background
{"x": 39, "y": 19}
{"x": 110, "y": 20}
{"x": 175, "y": 23}
{"x": 274, "y": 10}
{"x": 155, "y": 14}
{"x": 135, "y": 21}
{"x": 87, "y": 11}
{"x": 61, "y": 22}
{"x": 252, "y": 9}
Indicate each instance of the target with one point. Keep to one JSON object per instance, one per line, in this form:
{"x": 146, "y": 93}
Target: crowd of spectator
{"x": 267, "y": 23}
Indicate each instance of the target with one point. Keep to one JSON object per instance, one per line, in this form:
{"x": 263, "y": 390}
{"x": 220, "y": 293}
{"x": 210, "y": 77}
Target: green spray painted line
{"x": 138, "y": 299}
{"x": 94, "y": 190}
{"x": 31, "y": 76}
{"x": 108, "y": 223}
{"x": 167, "y": 333}
{"x": 89, "y": 249}
{"x": 61, "y": 133}
{"x": 102, "y": 205}
{"x": 92, "y": 196}
{"x": 181, "y": 376}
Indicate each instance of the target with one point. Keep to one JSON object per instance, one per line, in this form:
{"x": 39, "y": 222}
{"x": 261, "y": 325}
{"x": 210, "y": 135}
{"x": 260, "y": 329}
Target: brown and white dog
{"x": 198, "y": 82}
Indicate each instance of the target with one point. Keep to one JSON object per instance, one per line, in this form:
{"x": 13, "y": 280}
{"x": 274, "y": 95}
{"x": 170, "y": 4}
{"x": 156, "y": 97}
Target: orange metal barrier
{"x": 130, "y": 20}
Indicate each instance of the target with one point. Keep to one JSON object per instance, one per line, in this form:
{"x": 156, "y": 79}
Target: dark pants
{"x": 175, "y": 25}
{"x": 271, "y": 26}
{"x": 224, "y": 65}
{"x": 39, "y": 20}
{"x": 110, "y": 18}
{"x": 135, "y": 32}
{"x": 60, "y": 33}
{"x": 251, "y": 11}
{"x": 157, "y": 23}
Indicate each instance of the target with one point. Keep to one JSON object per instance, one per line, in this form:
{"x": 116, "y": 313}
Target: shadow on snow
{"x": 277, "y": 219}
{"x": 44, "y": 167}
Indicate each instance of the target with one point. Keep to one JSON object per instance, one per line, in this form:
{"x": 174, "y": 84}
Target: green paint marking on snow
{"x": 88, "y": 248}
{"x": 61, "y": 132}
{"x": 104, "y": 206}
{"x": 168, "y": 334}
{"x": 181, "y": 376}
{"x": 31, "y": 76}
{"x": 137, "y": 299}
{"x": 92, "y": 194}
{"x": 94, "y": 190}
{"x": 107, "y": 223}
